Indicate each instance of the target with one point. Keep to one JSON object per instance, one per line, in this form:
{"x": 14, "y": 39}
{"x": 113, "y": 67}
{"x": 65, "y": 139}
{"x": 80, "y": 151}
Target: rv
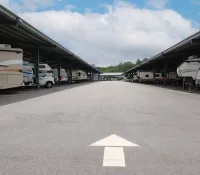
{"x": 63, "y": 75}
{"x": 45, "y": 75}
{"x": 145, "y": 76}
{"x": 190, "y": 70}
{"x": 28, "y": 75}
{"x": 79, "y": 75}
{"x": 11, "y": 67}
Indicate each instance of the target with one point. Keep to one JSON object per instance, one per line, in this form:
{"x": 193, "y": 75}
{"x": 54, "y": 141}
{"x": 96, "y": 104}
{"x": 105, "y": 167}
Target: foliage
{"x": 121, "y": 67}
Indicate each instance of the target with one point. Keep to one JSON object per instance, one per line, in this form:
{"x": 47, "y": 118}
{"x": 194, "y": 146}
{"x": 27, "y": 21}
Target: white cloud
{"x": 123, "y": 33}
{"x": 158, "y": 4}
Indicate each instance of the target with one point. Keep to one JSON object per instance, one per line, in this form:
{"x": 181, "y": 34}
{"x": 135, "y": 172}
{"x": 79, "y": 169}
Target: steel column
{"x": 70, "y": 76}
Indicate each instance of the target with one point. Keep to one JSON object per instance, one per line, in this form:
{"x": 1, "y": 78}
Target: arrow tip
{"x": 114, "y": 140}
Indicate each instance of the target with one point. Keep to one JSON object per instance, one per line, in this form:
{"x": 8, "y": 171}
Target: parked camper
{"x": 45, "y": 75}
{"x": 190, "y": 70}
{"x": 11, "y": 66}
{"x": 28, "y": 75}
{"x": 63, "y": 75}
{"x": 145, "y": 76}
{"x": 79, "y": 75}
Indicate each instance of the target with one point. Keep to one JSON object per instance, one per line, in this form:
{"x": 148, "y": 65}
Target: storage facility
{"x": 37, "y": 48}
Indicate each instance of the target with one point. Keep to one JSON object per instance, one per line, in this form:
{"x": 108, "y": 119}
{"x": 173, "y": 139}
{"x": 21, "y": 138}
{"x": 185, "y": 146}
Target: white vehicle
{"x": 190, "y": 69}
{"x": 79, "y": 75}
{"x": 11, "y": 67}
{"x": 63, "y": 75}
{"x": 159, "y": 76}
{"x": 145, "y": 76}
{"x": 46, "y": 76}
{"x": 28, "y": 75}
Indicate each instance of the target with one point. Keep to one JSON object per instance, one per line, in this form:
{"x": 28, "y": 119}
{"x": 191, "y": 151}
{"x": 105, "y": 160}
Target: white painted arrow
{"x": 113, "y": 151}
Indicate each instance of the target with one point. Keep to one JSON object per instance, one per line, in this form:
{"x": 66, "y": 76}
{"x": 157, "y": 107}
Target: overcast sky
{"x": 106, "y": 32}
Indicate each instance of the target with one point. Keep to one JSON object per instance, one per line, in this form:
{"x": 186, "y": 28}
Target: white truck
{"x": 79, "y": 75}
{"x": 189, "y": 70}
{"x": 11, "y": 67}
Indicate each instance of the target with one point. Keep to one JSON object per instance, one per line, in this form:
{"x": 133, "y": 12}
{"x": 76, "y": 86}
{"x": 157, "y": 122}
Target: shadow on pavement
{"x": 25, "y": 93}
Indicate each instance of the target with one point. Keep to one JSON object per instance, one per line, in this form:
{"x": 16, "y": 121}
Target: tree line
{"x": 121, "y": 67}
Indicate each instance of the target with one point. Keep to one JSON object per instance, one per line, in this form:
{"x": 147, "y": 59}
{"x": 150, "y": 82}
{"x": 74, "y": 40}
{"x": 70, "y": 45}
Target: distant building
{"x": 111, "y": 76}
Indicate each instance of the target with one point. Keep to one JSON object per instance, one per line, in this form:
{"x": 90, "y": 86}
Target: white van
{"x": 63, "y": 75}
{"x": 11, "y": 67}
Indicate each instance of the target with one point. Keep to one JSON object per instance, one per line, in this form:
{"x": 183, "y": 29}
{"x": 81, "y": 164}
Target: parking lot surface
{"x": 148, "y": 131}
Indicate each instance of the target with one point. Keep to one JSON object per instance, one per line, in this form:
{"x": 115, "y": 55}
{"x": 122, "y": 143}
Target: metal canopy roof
{"x": 19, "y": 34}
{"x": 175, "y": 54}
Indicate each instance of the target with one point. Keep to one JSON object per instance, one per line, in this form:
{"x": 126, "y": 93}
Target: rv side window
{"x": 49, "y": 71}
{"x": 147, "y": 75}
{"x": 79, "y": 74}
{"x": 41, "y": 66}
{"x": 156, "y": 75}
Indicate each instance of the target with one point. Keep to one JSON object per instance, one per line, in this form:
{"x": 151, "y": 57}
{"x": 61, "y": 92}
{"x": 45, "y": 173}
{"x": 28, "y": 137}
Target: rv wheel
{"x": 49, "y": 84}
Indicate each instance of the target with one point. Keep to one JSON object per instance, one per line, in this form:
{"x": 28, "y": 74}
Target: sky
{"x": 107, "y": 32}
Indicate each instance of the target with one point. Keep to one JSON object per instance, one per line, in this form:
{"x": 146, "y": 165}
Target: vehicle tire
{"x": 49, "y": 84}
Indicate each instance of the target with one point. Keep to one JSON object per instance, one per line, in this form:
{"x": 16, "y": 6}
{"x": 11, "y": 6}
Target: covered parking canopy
{"x": 172, "y": 56}
{"x": 19, "y": 34}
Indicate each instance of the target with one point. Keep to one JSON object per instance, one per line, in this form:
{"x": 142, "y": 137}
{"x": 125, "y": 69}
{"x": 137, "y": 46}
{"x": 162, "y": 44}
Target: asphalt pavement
{"x": 148, "y": 131}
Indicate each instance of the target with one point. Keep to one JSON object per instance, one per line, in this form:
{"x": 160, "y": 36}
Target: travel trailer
{"x": 145, "y": 76}
{"x": 79, "y": 75}
{"x": 63, "y": 75}
{"x": 190, "y": 69}
{"x": 11, "y": 67}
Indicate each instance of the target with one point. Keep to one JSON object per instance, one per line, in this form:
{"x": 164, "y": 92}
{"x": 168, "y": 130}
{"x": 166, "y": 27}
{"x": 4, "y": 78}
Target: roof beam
{"x": 8, "y": 22}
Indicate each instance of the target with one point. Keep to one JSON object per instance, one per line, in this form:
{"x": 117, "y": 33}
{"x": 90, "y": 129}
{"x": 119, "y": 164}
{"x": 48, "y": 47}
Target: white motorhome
{"x": 79, "y": 75}
{"x": 11, "y": 67}
{"x": 28, "y": 75}
{"x": 145, "y": 76}
{"x": 190, "y": 69}
{"x": 45, "y": 75}
{"x": 63, "y": 75}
